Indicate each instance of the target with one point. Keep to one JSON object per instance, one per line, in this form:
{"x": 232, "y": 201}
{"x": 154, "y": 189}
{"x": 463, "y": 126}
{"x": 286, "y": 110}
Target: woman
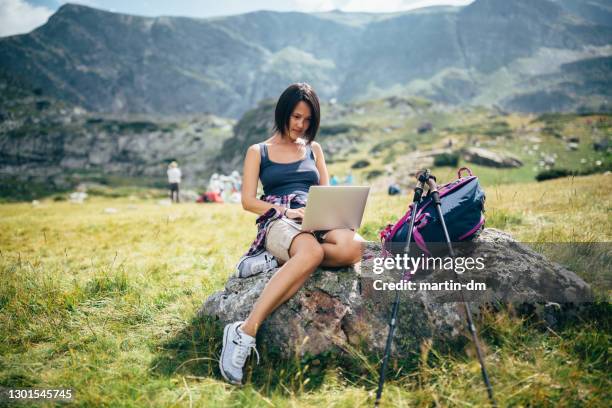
{"x": 287, "y": 164}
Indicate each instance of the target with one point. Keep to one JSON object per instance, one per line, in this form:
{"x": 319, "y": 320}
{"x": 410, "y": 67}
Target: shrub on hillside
{"x": 360, "y": 164}
{"x": 499, "y": 128}
{"x": 560, "y": 172}
{"x": 554, "y": 173}
{"x": 332, "y": 130}
{"x": 447, "y": 159}
{"x": 373, "y": 174}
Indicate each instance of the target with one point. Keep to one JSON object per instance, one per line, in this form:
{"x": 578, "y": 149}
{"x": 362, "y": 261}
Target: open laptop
{"x": 333, "y": 207}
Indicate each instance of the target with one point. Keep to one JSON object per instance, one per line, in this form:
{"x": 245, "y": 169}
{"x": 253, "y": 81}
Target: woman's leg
{"x": 342, "y": 247}
{"x": 305, "y": 256}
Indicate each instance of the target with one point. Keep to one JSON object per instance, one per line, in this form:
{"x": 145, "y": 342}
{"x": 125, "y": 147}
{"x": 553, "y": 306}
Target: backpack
{"x": 462, "y": 208}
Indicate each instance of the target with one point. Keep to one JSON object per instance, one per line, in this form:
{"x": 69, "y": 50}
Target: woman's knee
{"x": 318, "y": 253}
{"x": 307, "y": 247}
{"x": 314, "y": 252}
{"x": 351, "y": 251}
{"x": 347, "y": 251}
{"x": 355, "y": 251}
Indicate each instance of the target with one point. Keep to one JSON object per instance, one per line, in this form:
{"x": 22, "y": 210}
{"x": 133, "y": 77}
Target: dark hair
{"x": 286, "y": 104}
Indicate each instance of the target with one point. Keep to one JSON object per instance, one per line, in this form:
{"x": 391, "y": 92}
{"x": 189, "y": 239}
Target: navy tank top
{"x": 287, "y": 178}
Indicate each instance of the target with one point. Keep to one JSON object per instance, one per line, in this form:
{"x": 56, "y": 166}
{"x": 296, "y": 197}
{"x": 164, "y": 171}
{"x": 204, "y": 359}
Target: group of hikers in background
{"x": 223, "y": 189}
{"x": 220, "y": 189}
{"x": 348, "y": 180}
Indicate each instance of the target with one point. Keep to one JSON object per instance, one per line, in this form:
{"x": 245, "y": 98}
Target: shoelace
{"x": 242, "y": 351}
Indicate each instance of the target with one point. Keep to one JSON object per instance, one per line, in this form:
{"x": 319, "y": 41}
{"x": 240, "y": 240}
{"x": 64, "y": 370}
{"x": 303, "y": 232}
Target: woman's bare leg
{"x": 342, "y": 247}
{"x": 339, "y": 251}
{"x": 305, "y": 256}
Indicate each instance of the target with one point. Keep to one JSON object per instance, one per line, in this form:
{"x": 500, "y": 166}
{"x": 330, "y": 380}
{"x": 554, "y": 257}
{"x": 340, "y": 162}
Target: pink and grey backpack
{"x": 462, "y": 207}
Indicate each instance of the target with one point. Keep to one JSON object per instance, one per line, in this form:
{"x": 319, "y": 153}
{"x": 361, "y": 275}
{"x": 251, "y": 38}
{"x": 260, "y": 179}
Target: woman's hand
{"x": 295, "y": 213}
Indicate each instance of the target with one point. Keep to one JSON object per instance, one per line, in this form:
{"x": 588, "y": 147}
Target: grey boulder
{"x": 340, "y": 309}
{"x": 484, "y": 157}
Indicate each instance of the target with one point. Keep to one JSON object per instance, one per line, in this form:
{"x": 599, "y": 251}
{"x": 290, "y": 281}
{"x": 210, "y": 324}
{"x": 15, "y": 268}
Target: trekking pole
{"x": 433, "y": 191}
{"x": 418, "y": 192}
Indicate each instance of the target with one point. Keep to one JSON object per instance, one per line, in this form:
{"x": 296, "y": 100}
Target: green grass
{"x": 392, "y": 135}
{"x": 106, "y": 304}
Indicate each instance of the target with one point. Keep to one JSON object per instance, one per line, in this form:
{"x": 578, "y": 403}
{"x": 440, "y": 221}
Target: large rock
{"x": 340, "y": 308}
{"x": 416, "y": 161}
{"x": 484, "y": 157}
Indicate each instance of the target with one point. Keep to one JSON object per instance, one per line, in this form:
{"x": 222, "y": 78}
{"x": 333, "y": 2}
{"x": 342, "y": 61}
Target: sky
{"x": 22, "y": 16}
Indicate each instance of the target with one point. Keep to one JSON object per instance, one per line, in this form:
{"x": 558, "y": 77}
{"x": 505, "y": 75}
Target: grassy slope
{"x": 529, "y": 138}
{"x": 105, "y": 303}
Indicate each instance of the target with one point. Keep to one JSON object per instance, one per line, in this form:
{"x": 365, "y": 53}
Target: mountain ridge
{"x": 120, "y": 63}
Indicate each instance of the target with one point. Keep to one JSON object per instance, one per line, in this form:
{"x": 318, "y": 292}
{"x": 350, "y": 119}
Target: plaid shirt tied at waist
{"x": 271, "y": 215}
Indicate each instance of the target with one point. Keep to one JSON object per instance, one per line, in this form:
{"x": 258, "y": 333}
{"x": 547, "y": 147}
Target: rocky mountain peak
{"x": 117, "y": 63}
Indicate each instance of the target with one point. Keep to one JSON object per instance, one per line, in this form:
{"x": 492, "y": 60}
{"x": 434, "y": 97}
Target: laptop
{"x": 333, "y": 207}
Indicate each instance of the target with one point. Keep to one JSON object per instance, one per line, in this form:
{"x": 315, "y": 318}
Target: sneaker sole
{"x": 225, "y": 334}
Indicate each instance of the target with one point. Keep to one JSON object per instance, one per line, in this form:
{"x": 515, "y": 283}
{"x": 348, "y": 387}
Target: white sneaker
{"x": 237, "y": 346}
{"x": 250, "y": 265}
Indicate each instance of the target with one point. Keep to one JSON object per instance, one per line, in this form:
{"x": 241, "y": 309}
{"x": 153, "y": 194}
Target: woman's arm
{"x": 250, "y": 177}
{"x": 321, "y": 166}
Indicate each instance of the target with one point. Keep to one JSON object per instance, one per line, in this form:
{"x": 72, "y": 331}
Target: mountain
{"x": 595, "y": 11}
{"x": 108, "y": 62}
{"x": 47, "y": 144}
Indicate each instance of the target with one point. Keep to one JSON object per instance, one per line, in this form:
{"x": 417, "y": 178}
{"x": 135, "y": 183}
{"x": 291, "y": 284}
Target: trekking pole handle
{"x": 423, "y": 175}
{"x": 418, "y": 189}
{"x": 430, "y": 180}
{"x": 431, "y": 183}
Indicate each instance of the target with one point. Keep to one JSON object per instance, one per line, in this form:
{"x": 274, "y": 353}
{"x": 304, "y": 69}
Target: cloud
{"x": 18, "y": 17}
{"x": 90, "y": 3}
{"x": 374, "y": 6}
{"x": 310, "y": 6}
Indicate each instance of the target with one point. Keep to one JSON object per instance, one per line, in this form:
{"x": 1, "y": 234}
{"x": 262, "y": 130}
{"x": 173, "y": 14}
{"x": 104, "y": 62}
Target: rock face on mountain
{"x": 107, "y": 62}
{"x": 587, "y": 78}
{"x": 341, "y": 309}
{"x": 485, "y": 157}
{"x": 254, "y": 126}
{"x": 56, "y": 145}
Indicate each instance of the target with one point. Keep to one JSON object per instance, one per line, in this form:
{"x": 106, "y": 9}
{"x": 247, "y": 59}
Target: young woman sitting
{"x": 287, "y": 163}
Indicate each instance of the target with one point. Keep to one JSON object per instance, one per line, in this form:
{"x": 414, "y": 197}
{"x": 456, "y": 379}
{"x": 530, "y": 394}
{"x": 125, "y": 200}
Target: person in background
{"x": 237, "y": 180}
{"x": 333, "y": 181}
{"x": 174, "y": 179}
{"x": 349, "y": 179}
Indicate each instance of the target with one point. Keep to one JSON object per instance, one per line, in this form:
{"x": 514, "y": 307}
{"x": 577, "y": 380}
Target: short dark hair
{"x": 286, "y": 104}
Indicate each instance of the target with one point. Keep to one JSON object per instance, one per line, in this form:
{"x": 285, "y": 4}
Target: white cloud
{"x": 370, "y": 6}
{"x": 380, "y": 6}
{"x": 18, "y": 17}
{"x": 90, "y": 3}
{"x": 310, "y": 6}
